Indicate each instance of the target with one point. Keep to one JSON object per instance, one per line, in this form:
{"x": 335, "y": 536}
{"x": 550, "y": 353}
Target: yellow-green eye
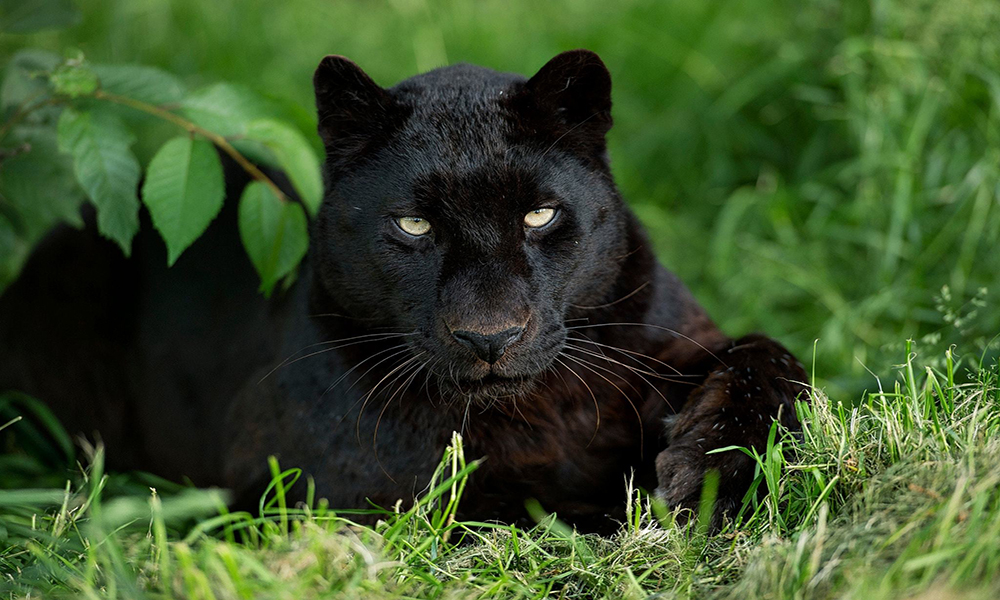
{"x": 540, "y": 217}
{"x": 414, "y": 225}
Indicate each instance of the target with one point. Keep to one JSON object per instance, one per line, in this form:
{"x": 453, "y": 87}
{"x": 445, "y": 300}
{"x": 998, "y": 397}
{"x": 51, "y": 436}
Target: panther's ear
{"x": 351, "y": 107}
{"x": 575, "y": 89}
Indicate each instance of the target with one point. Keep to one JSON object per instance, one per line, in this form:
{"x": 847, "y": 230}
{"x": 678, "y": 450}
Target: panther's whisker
{"x": 597, "y": 406}
{"x": 454, "y": 380}
{"x": 405, "y": 348}
{"x": 523, "y": 418}
{"x": 632, "y": 354}
{"x": 288, "y": 361}
{"x": 427, "y": 378}
{"x": 637, "y": 373}
{"x": 614, "y": 361}
{"x": 667, "y": 329}
{"x": 638, "y": 416}
{"x": 371, "y": 392}
{"x": 340, "y": 316}
{"x": 622, "y": 299}
{"x": 611, "y": 371}
{"x": 465, "y": 418}
{"x": 401, "y": 391}
{"x": 558, "y": 374}
{"x": 406, "y": 377}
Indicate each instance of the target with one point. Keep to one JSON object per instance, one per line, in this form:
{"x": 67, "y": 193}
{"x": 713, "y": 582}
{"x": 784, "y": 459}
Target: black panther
{"x": 472, "y": 268}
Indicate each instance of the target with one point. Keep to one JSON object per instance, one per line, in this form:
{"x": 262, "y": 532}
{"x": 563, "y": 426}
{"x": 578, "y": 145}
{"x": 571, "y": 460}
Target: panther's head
{"x": 472, "y": 207}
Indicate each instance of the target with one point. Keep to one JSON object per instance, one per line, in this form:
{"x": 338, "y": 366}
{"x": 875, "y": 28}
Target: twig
{"x": 211, "y": 136}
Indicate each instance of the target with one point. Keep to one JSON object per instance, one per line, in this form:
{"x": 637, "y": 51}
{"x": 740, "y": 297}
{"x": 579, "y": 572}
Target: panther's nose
{"x": 488, "y": 348}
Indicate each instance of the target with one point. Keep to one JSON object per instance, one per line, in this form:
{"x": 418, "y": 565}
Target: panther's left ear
{"x": 351, "y": 108}
{"x": 574, "y": 89}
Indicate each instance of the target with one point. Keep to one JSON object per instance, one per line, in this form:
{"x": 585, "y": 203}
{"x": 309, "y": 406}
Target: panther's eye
{"x": 540, "y": 217}
{"x": 414, "y": 225}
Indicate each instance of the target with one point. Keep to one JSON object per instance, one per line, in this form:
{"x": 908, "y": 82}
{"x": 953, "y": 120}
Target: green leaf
{"x": 225, "y": 108}
{"x": 147, "y": 84}
{"x": 25, "y": 78}
{"x": 37, "y": 182}
{"x": 74, "y": 80}
{"x": 294, "y": 155}
{"x": 183, "y": 191}
{"x": 31, "y": 497}
{"x": 26, "y": 16}
{"x": 106, "y": 169}
{"x": 274, "y": 233}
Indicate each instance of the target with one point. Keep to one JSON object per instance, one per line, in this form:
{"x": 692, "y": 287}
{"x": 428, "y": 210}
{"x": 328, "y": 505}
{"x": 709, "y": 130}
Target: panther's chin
{"x": 489, "y": 388}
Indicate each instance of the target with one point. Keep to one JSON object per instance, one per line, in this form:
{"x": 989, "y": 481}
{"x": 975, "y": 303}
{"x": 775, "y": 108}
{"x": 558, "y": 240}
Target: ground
{"x": 897, "y": 497}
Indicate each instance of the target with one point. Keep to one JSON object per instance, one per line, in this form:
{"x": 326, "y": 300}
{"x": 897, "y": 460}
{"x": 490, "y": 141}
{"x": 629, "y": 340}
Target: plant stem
{"x": 211, "y": 136}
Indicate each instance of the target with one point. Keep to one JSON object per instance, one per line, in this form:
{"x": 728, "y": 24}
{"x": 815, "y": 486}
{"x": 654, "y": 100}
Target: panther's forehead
{"x": 457, "y": 119}
{"x": 445, "y": 141}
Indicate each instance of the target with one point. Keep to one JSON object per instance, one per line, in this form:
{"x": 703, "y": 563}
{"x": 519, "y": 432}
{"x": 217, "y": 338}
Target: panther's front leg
{"x": 754, "y": 381}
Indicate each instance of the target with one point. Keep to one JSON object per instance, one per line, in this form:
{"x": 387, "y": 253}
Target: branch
{"x": 211, "y": 136}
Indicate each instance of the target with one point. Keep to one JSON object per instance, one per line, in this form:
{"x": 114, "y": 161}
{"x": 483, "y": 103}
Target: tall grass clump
{"x": 892, "y": 497}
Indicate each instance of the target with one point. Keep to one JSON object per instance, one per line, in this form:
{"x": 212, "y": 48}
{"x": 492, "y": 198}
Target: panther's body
{"x": 557, "y": 348}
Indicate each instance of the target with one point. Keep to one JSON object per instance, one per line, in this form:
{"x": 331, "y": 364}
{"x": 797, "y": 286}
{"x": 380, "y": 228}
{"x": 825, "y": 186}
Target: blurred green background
{"x": 818, "y": 169}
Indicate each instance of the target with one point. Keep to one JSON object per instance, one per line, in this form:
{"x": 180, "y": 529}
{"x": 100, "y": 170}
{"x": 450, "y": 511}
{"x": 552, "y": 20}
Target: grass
{"x": 897, "y": 497}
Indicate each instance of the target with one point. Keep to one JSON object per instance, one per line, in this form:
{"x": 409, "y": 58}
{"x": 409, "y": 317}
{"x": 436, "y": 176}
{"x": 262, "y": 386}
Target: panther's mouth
{"x": 490, "y": 387}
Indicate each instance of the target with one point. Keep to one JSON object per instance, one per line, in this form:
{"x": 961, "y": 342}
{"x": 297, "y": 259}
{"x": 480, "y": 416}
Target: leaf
{"x": 139, "y": 82}
{"x": 74, "y": 80}
{"x": 26, "y": 16}
{"x": 274, "y": 233}
{"x": 23, "y": 497}
{"x": 25, "y": 77}
{"x": 106, "y": 169}
{"x": 37, "y": 182}
{"x": 184, "y": 191}
{"x": 225, "y": 108}
{"x": 294, "y": 155}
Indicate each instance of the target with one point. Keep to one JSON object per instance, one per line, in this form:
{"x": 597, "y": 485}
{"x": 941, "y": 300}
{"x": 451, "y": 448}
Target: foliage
{"x": 86, "y": 108}
{"x": 896, "y": 497}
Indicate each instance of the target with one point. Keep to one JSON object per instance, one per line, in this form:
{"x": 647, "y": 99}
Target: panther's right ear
{"x": 568, "y": 102}
{"x": 350, "y": 106}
